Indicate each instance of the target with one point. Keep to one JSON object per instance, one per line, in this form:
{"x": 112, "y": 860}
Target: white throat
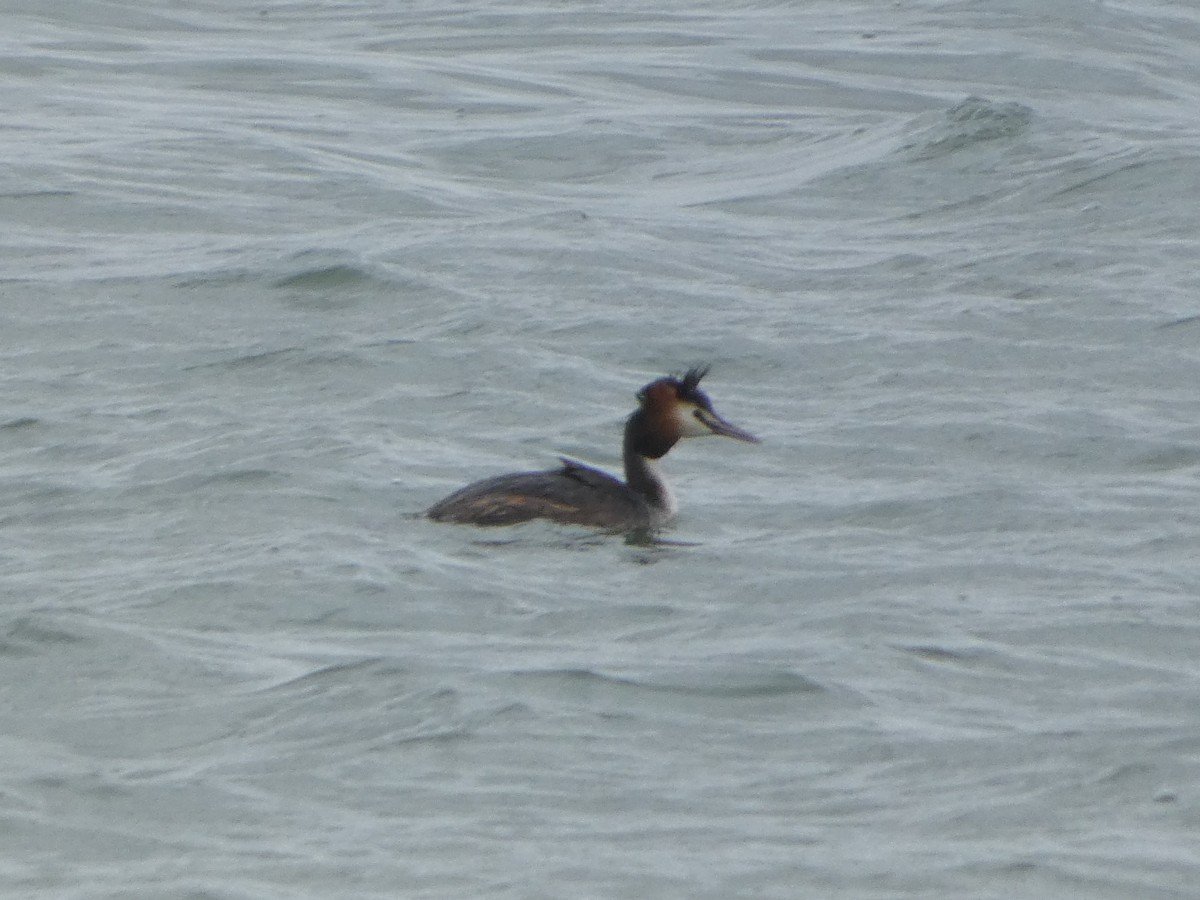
{"x": 666, "y": 497}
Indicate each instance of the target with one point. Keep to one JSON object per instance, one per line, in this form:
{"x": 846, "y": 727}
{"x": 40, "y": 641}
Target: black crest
{"x": 687, "y": 386}
{"x": 690, "y": 383}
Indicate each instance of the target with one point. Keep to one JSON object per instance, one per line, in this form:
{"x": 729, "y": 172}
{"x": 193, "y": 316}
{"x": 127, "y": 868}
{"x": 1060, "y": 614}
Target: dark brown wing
{"x": 573, "y": 495}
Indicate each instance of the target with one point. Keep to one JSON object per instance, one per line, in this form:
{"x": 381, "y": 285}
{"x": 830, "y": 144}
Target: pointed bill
{"x": 717, "y": 425}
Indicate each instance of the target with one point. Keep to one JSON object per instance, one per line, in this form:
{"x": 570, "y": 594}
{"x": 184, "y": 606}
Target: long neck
{"x": 641, "y": 470}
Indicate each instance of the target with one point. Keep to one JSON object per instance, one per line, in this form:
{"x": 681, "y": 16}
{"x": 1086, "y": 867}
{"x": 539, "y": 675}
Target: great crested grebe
{"x": 668, "y": 409}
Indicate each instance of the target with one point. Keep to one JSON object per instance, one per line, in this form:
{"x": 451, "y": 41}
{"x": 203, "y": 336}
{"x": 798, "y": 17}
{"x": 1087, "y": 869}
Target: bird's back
{"x": 574, "y": 494}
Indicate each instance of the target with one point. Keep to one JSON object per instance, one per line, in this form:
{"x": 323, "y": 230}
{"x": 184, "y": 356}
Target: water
{"x": 278, "y": 277}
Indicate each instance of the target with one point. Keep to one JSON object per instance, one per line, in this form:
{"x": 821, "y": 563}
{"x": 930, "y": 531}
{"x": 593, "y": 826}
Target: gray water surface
{"x": 277, "y": 277}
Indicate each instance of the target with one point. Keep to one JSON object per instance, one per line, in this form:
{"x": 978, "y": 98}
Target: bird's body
{"x": 576, "y": 494}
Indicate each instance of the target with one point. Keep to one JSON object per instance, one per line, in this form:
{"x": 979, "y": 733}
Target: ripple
{"x": 337, "y": 275}
{"x": 972, "y": 122}
{"x": 20, "y": 422}
{"x": 717, "y": 683}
